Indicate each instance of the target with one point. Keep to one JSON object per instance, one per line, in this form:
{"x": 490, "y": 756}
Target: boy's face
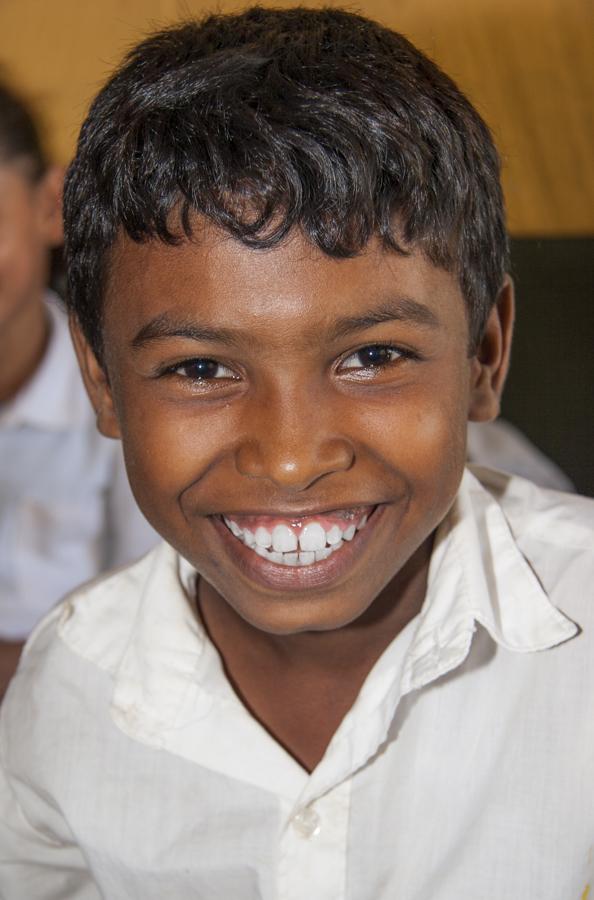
{"x": 287, "y": 396}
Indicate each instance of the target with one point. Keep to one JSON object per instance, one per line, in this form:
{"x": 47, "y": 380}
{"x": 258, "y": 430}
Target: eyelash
{"x": 370, "y": 369}
{"x": 401, "y": 353}
{"x": 193, "y": 361}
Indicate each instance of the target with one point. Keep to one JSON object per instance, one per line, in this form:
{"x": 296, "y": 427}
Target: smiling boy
{"x": 353, "y": 669}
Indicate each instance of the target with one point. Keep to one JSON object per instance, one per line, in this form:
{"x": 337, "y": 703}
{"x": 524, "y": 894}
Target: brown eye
{"x": 203, "y": 369}
{"x": 372, "y": 357}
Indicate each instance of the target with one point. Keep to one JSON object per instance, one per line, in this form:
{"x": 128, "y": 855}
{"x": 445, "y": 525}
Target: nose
{"x": 293, "y": 446}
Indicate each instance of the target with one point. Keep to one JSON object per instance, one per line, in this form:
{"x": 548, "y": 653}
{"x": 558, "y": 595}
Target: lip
{"x": 277, "y": 577}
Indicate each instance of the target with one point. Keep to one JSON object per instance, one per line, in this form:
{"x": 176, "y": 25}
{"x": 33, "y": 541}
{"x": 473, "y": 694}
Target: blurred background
{"x": 527, "y": 65}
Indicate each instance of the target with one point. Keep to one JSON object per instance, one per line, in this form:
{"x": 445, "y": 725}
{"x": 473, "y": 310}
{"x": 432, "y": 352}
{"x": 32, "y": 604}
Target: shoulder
{"x": 65, "y": 678}
{"x": 94, "y": 622}
{"x": 62, "y": 692}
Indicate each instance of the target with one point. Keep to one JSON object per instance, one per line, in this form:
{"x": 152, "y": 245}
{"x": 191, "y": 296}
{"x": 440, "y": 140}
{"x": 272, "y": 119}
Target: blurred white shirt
{"x": 463, "y": 770}
{"x": 500, "y": 445}
{"x": 66, "y": 509}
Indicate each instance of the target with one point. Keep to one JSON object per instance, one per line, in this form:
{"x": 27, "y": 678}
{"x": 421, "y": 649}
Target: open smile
{"x": 298, "y": 552}
{"x": 300, "y": 541}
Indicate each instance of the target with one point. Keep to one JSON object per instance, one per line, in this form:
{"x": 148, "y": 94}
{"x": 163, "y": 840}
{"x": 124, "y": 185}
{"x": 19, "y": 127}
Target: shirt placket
{"x": 313, "y": 848}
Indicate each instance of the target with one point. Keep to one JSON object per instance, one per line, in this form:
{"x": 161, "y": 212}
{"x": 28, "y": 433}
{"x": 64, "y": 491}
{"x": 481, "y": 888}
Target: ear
{"x": 490, "y": 363}
{"x": 96, "y": 382}
{"x": 50, "y": 206}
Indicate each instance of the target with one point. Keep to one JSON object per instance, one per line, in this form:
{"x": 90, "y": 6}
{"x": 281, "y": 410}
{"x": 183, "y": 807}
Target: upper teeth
{"x": 282, "y": 543}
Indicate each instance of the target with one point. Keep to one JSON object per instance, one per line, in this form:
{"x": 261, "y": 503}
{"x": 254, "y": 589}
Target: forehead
{"x": 293, "y": 288}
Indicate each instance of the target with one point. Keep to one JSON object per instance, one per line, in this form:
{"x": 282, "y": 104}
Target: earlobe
{"x": 490, "y": 364}
{"x": 96, "y": 382}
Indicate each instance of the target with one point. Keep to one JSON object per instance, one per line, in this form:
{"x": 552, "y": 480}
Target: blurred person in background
{"x": 66, "y": 509}
{"x": 500, "y": 445}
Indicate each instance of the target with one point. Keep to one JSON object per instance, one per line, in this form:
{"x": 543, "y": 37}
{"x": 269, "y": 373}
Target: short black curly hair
{"x": 274, "y": 119}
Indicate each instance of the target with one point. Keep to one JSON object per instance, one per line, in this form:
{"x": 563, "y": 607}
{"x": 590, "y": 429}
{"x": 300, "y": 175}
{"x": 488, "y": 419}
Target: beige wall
{"x": 527, "y": 65}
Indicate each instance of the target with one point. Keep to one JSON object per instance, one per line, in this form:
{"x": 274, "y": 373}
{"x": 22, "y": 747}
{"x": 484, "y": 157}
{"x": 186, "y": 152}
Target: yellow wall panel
{"x": 526, "y": 64}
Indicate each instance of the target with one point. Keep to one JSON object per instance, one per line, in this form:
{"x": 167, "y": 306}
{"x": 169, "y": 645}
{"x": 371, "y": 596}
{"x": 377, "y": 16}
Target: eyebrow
{"x": 401, "y": 309}
{"x": 164, "y": 326}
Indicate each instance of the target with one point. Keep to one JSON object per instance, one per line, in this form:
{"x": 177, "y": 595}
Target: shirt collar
{"x": 53, "y": 399}
{"x": 170, "y": 684}
{"x": 478, "y": 574}
{"x": 171, "y": 691}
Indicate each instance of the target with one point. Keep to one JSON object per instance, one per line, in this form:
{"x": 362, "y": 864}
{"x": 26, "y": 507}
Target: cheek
{"x": 170, "y": 458}
{"x": 420, "y": 443}
{"x": 438, "y": 435}
{"x": 21, "y": 263}
{"x": 422, "y": 438}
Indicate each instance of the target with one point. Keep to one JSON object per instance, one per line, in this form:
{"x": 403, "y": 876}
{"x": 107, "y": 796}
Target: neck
{"x": 23, "y": 341}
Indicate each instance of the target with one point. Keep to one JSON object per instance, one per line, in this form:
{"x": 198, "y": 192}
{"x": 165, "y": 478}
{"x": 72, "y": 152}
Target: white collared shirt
{"x": 66, "y": 509}
{"x": 464, "y": 770}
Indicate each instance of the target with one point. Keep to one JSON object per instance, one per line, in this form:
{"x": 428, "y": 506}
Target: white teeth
{"x": 349, "y": 533}
{"x": 284, "y": 540}
{"x": 235, "y": 529}
{"x": 285, "y": 547}
{"x": 334, "y": 535}
{"x": 312, "y": 537}
{"x": 262, "y": 537}
{"x": 323, "y": 554}
{"x": 306, "y": 558}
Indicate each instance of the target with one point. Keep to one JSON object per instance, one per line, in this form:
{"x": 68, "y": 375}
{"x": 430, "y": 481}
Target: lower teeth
{"x": 302, "y": 558}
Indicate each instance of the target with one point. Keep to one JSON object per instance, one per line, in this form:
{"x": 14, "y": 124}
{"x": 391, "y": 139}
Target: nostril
{"x": 249, "y": 460}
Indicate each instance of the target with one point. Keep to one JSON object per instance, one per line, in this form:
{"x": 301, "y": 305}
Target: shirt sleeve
{"x": 128, "y": 535}
{"x": 36, "y": 864}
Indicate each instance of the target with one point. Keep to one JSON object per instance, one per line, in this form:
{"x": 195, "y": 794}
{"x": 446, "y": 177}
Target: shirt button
{"x": 306, "y": 822}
